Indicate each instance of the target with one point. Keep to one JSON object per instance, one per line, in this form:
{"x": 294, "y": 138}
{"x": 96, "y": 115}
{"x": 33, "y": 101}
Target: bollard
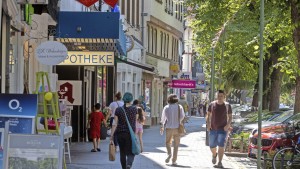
{"x": 230, "y": 145}
{"x": 242, "y": 144}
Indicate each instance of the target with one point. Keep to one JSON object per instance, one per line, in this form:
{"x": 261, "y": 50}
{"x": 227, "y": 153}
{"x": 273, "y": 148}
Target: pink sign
{"x": 184, "y": 84}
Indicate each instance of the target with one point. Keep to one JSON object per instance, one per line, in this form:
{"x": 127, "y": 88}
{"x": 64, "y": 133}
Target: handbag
{"x": 112, "y": 152}
{"x": 135, "y": 148}
{"x": 181, "y": 128}
{"x": 103, "y": 132}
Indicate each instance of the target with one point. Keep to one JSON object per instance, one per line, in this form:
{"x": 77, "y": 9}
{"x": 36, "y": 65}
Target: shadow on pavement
{"x": 178, "y": 166}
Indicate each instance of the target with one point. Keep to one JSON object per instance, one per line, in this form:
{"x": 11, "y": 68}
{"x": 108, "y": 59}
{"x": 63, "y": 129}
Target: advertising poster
{"x": 20, "y": 110}
{"x": 33, "y": 151}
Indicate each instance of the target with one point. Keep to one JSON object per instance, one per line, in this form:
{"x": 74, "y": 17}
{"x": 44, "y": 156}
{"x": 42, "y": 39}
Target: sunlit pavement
{"x": 192, "y": 152}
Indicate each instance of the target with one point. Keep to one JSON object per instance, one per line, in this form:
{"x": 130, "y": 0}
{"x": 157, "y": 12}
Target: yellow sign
{"x": 89, "y": 58}
{"x": 174, "y": 69}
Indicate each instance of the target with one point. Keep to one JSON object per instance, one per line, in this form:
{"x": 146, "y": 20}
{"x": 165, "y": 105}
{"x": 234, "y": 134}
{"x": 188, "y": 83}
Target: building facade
{"x": 163, "y": 40}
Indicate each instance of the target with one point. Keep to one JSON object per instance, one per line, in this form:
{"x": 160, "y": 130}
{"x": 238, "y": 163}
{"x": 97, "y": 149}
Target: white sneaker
{"x": 117, "y": 149}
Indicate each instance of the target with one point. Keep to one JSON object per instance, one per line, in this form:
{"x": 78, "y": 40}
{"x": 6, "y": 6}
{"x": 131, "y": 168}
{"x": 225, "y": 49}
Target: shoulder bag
{"x": 135, "y": 148}
{"x": 181, "y": 129}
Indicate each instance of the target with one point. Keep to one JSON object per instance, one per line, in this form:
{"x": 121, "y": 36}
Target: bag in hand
{"x": 112, "y": 152}
{"x": 181, "y": 128}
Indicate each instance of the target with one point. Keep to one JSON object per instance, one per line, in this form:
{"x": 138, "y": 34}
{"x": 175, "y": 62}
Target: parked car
{"x": 274, "y": 136}
{"x": 250, "y": 122}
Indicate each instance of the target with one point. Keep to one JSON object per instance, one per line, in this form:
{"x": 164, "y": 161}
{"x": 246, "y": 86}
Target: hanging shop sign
{"x": 111, "y": 3}
{"x": 174, "y": 69}
{"x": 184, "y": 84}
{"x": 184, "y": 75}
{"x": 70, "y": 90}
{"x": 88, "y": 3}
{"x": 89, "y": 58}
{"x": 51, "y": 53}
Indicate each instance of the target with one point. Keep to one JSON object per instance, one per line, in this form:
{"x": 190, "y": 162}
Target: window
{"x": 161, "y": 43}
{"x": 148, "y": 30}
{"x": 123, "y": 87}
{"x": 133, "y": 13}
{"x": 134, "y": 77}
{"x": 155, "y": 41}
{"x": 133, "y": 90}
{"x": 167, "y": 46}
{"x": 165, "y": 40}
{"x": 138, "y": 13}
{"x": 128, "y": 86}
{"x": 128, "y": 11}
{"x": 172, "y": 49}
{"x": 152, "y": 40}
{"x": 123, "y": 7}
{"x": 176, "y": 11}
{"x": 123, "y": 76}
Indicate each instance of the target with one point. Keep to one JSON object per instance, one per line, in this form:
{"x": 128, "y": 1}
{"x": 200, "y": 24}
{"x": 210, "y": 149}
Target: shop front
{"x": 93, "y": 47}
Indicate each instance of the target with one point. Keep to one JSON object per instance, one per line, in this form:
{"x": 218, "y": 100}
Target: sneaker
{"x": 214, "y": 159}
{"x": 128, "y": 166}
{"x": 117, "y": 149}
{"x": 93, "y": 150}
{"x": 174, "y": 163}
{"x": 220, "y": 165}
{"x": 98, "y": 149}
{"x": 168, "y": 158}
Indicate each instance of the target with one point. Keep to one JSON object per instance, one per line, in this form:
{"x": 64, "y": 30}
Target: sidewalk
{"x": 192, "y": 152}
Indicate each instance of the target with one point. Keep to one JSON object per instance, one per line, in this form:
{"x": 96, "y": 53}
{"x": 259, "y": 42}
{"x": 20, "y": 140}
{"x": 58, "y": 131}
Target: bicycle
{"x": 288, "y": 157}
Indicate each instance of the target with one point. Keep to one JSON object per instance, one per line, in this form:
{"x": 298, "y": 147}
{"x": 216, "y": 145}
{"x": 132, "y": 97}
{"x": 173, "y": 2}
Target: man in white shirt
{"x": 112, "y": 107}
{"x": 169, "y": 119}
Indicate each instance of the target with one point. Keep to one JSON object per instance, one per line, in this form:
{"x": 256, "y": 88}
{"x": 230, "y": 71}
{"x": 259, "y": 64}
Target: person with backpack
{"x": 218, "y": 120}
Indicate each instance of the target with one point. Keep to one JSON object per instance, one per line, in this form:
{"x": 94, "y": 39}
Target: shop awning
{"x": 91, "y": 31}
{"x": 138, "y": 64}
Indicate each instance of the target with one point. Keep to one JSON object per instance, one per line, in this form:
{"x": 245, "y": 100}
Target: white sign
{"x": 51, "y": 53}
{"x": 89, "y": 58}
{"x": 70, "y": 91}
{"x": 184, "y": 75}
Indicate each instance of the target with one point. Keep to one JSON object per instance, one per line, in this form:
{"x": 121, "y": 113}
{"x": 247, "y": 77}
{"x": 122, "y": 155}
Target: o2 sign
{"x": 18, "y": 105}
{"x": 14, "y": 104}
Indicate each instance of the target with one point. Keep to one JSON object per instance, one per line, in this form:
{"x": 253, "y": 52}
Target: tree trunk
{"x": 255, "y": 97}
{"x": 275, "y": 79}
{"x": 296, "y": 37}
{"x": 266, "y": 83}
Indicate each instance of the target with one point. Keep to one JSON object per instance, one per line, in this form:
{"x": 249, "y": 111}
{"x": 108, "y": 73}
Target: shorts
{"x": 138, "y": 130}
{"x": 217, "y": 138}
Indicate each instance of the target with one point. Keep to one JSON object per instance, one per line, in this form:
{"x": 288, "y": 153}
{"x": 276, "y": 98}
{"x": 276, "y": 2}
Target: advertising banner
{"x": 20, "y": 110}
{"x": 184, "y": 84}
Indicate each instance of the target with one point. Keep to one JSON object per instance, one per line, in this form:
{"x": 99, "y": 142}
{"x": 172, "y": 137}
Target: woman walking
{"x": 112, "y": 107}
{"x": 139, "y": 126}
{"x": 169, "y": 120}
{"x": 121, "y": 130}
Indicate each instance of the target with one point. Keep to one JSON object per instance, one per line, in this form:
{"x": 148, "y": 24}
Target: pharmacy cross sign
{"x": 87, "y": 3}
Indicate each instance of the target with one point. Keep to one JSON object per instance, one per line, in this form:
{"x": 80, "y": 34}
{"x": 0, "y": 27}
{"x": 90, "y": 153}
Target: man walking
{"x": 219, "y": 117}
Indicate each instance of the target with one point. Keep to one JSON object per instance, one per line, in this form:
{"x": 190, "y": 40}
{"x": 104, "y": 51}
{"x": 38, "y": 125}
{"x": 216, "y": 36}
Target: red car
{"x": 273, "y": 137}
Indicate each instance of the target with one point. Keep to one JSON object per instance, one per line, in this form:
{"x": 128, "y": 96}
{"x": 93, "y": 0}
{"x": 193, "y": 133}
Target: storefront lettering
{"x": 89, "y": 58}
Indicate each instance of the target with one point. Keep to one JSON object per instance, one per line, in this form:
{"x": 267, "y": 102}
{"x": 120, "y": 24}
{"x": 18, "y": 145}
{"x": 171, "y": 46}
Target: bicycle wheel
{"x": 286, "y": 159}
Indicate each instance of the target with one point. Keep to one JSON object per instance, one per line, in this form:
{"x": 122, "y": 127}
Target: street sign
{"x": 184, "y": 84}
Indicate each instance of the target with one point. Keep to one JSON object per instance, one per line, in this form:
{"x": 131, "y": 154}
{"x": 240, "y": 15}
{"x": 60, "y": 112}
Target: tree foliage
{"x": 240, "y": 20}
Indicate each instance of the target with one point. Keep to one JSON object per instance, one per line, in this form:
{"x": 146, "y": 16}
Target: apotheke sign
{"x": 89, "y": 58}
